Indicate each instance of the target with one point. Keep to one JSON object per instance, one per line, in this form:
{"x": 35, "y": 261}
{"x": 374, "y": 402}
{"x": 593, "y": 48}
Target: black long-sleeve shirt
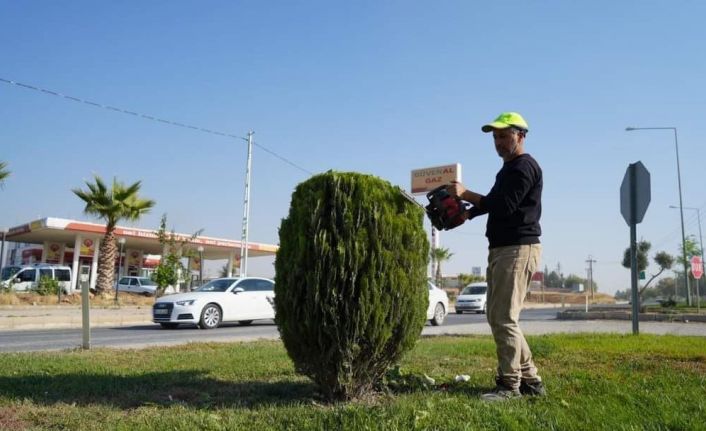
{"x": 514, "y": 204}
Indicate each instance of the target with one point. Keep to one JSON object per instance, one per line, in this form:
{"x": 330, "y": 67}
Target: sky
{"x": 378, "y": 87}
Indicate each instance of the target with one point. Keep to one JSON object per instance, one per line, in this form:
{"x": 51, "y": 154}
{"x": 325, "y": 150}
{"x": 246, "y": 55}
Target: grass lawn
{"x": 610, "y": 382}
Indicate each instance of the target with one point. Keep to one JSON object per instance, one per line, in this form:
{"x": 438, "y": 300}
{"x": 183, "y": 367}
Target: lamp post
{"x": 121, "y": 241}
{"x": 701, "y": 244}
{"x": 200, "y": 249}
{"x": 681, "y": 205}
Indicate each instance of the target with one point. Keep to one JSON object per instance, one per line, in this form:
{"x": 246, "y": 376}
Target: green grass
{"x": 609, "y": 382}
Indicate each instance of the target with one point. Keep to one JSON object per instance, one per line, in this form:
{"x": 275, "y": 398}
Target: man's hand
{"x": 456, "y": 189}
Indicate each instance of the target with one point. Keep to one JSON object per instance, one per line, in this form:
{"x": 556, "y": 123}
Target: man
{"x": 514, "y": 206}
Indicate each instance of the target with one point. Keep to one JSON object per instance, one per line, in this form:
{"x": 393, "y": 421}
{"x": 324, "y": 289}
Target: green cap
{"x": 505, "y": 120}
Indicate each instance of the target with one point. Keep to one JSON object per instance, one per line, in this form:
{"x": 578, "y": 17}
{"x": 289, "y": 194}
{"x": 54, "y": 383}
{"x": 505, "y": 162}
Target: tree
{"x": 692, "y": 249}
{"x": 553, "y": 279}
{"x": 171, "y": 269}
{"x": 439, "y": 255}
{"x": 120, "y": 202}
{"x": 224, "y": 270}
{"x": 666, "y": 287}
{"x": 663, "y": 260}
{"x": 350, "y": 286}
{"x": 466, "y": 279}
{"x": 622, "y": 294}
{"x": 4, "y": 173}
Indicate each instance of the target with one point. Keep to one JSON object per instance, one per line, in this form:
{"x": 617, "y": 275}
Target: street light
{"x": 121, "y": 241}
{"x": 701, "y": 239}
{"x": 200, "y": 249}
{"x": 681, "y": 205}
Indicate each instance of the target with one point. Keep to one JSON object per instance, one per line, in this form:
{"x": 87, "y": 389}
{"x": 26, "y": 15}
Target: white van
{"x": 26, "y": 278}
{"x": 472, "y": 298}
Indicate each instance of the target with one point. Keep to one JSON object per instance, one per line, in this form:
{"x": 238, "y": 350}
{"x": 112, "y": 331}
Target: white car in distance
{"x": 438, "y": 305}
{"x": 221, "y": 300}
{"x": 143, "y": 285}
{"x": 473, "y": 298}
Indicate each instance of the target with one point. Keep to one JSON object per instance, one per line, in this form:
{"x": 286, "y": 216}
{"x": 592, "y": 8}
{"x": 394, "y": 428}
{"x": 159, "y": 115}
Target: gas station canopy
{"x": 63, "y": 231}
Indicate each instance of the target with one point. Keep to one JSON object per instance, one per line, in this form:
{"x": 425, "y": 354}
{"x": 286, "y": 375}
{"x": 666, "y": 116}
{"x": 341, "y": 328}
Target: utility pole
{"x": 590, "y": 263}
{"x": 246, "y": 212}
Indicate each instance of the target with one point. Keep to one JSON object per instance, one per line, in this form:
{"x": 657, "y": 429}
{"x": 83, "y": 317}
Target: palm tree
{"x": 4, "y": 173}
{"x": 439, "y": 255}
{"x": 120, "y": 202}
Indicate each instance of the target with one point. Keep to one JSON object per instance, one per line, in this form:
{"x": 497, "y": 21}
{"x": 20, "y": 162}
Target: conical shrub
{"x": 350, "y": 291}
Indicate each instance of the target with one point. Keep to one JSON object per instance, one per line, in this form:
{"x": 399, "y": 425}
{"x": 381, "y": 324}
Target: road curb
{"x": 626, "y": 315}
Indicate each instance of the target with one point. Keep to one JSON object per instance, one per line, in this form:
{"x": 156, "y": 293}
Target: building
{"x": 77, "y": 243}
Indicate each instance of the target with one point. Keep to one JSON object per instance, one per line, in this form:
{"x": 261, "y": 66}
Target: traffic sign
{"x": 635, "y": 193}
{"x": 697, "y": 267}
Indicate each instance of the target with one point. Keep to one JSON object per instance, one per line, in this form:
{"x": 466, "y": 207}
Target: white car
{"x": 221, "y": 300}
{"x": 438, "y": 305}
{"x": 473, "y": 298}
{"x": 143, "y": 285}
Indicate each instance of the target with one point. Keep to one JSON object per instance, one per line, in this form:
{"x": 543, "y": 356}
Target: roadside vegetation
{"x": 595, "y": 382}
{"x": 4, "y": 173}
{"x": 25, "y": 299}
{"x": 119, "y": 202}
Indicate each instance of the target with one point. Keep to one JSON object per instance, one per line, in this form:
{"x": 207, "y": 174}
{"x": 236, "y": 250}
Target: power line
{"x": 149, "y": 117}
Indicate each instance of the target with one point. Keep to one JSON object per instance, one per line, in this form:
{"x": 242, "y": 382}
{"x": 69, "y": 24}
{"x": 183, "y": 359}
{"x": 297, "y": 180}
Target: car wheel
{"x": 169, "y": 325}
{"x": 439, "y": 314}
{"x": 485, "y": 307}
{"x": 244, "y": 322}
{"x": 459, "y": 312}
{"x": 210, "y": 317}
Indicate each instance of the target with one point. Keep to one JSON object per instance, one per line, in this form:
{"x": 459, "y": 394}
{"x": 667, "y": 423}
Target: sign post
{"x": 697, "y": 270}
{"x": 634, "y": 200}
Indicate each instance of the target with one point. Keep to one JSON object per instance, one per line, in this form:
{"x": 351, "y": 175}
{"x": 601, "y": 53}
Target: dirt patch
{"x": 10, "y": 419}
{"x": 102, "y": 300}
{"x": 568, "y": 298}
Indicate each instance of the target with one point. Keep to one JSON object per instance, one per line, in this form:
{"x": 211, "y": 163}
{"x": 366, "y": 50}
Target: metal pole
{"x": 246, "y": 211}
{"x": 633, "y": 253}
{"x": 701, "y": 242}
{"x": 681, "y": 214}
{"x": 434, "y": 246}
{"x": 681, "y": 206}
{"x": 585, "y": 290}
{"x": 590, "y": 262}
{"x": 85, "y": 315}
{"x": 200, "y": 266}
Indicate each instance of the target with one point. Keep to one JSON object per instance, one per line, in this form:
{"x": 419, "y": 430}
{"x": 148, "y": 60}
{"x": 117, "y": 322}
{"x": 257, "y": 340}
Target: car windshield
{"x": 474, "y": 290}
{"x": 220, "y": 285}
{"x": 8, "y": 272}
{"x": 147, "y": 282}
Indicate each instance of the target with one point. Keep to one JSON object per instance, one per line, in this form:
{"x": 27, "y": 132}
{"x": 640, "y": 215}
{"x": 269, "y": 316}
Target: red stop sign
{"x": 697, "y": 267}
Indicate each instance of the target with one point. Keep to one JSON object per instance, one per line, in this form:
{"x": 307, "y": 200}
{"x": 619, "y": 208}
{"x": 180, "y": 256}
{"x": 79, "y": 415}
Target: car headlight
{"x": 186, "y": 302}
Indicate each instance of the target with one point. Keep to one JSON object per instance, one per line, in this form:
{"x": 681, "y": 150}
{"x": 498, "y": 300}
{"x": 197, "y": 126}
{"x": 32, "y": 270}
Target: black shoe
{"x": 535, "y": 389}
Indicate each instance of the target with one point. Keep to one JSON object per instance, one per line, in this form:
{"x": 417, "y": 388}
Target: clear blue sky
{"x": 381, "y": 87}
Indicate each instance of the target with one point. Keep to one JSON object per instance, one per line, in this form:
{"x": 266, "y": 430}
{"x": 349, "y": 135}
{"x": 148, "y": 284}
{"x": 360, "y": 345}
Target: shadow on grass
{"x": 190, "y": 388}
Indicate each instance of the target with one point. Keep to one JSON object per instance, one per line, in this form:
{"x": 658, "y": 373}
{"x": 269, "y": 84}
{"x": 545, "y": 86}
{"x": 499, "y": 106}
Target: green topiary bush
{"x": 350, "y": 292}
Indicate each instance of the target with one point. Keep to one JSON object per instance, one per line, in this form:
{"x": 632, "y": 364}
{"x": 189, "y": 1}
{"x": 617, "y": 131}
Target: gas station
{"x": 57, "y": 240}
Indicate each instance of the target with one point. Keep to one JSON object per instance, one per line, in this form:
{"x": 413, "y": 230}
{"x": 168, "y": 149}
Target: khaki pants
{"x": 509, "y": 274}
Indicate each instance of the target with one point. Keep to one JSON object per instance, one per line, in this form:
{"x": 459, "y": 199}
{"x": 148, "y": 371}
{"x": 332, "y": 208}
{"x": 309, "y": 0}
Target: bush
{"x": 47, "y": 286}
{"x": 668, "y": 303}
{"x": 351, "y": 293}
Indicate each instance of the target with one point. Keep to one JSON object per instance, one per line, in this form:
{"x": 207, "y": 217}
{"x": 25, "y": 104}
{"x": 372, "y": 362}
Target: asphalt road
{"x": 533, "y": 321}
